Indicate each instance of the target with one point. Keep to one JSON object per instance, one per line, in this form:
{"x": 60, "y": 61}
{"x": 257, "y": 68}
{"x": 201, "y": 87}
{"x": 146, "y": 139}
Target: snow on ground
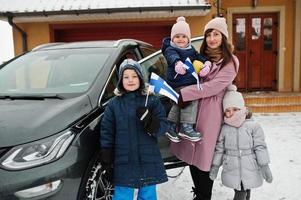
{"x": 283, "y": 137}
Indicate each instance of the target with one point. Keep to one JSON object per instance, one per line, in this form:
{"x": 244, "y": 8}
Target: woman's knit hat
{"x": 218, "y": 23}
{"x": 181, "y": 27}
{"x": 233, "y": 98}
{"x": 130, "y": 64}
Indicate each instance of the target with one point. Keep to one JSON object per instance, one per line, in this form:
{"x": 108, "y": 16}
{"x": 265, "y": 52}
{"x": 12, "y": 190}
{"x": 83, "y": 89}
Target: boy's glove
{"x": 181, "y": 103}
{"x": 205, "y": 69}
{"x": 151, "y": 123}
{"x": 106, "y": 159}
{"x": 213, "y": 172}
{"x": 179, "y": 68}
{"x": 266, "y": 173}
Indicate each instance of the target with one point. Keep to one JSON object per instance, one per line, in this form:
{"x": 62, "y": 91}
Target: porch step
{"x": 268, "y": 102}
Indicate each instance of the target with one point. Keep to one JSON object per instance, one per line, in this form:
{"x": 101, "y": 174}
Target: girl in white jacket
{"x": 240, "y": 148}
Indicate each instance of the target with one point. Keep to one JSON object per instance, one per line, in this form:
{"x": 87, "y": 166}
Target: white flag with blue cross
{"x": 159, "y": 86}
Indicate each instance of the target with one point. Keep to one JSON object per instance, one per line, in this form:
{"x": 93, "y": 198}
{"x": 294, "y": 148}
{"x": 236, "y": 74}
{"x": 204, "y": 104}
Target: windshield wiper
{"x": 31, "y": 97}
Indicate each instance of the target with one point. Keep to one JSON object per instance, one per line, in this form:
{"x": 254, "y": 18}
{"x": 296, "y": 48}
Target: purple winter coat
{"x": 210, "y": 115}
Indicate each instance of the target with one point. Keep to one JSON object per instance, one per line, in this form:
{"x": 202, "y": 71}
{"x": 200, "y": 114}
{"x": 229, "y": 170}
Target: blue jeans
{"x": 127, "y": 193}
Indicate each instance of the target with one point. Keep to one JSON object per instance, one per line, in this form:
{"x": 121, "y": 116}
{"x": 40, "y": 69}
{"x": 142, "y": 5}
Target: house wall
{"x": 197, "y": 24}
{"x": 297, "y": 54}
{"x": 37, "y": 33}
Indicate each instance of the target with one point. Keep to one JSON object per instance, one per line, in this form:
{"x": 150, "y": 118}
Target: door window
{"x": 240, "y": 34}
{"x": 267, "y": 33}
{"x": 256, "y": 26}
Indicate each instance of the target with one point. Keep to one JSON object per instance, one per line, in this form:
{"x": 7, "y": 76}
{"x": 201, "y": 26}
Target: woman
{"x": 224, "y": 69}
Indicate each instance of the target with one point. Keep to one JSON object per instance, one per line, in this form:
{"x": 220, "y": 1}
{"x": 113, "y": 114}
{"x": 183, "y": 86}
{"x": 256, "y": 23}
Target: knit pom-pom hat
{"x": 218, "y": 23}
{"x": 181, "y": 27}
{"x": 233, "y": 98}
{"x": 130, "y": 64}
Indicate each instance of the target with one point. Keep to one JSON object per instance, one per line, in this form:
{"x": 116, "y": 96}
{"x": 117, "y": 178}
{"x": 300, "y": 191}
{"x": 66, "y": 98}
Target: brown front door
{"x": 255, "y": 42}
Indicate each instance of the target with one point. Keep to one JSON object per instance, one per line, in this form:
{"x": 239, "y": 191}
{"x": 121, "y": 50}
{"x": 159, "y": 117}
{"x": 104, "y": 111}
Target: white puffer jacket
{"x": 241, "y": 151}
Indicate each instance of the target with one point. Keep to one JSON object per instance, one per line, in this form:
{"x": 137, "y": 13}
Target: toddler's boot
{"x": 187, "y": 131}
{"x": 172, "y": 133}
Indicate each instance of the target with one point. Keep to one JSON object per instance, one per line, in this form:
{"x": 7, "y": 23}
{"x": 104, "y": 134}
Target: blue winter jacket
{"x": 137, "y": 159}
{"x": 173, "y": 55}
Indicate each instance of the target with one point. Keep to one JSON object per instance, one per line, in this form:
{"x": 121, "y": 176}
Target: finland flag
{"x": 190, "y": 69}
{"x": 159, "y": 86}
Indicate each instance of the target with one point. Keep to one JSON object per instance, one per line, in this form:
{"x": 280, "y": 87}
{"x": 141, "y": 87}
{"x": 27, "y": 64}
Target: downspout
{"x": 23, "y": 33}
{"x": 218, "y": 8}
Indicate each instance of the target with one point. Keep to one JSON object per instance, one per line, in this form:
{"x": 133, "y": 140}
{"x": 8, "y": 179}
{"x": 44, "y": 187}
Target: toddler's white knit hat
{"x": 218, "y": 23}
{"x": 181, "y": 27}
{"x": 233, "y": 98}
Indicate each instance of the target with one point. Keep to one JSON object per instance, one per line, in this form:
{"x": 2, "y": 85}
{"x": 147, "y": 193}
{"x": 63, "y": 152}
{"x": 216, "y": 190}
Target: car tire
{"x": 94, "y": 185}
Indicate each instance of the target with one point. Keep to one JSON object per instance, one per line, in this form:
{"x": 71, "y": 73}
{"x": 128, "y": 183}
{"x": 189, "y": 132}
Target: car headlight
{"x": 37, "y": 153}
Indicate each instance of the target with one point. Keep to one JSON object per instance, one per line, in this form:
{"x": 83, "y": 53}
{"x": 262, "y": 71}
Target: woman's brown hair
{"x": 226, "y": 48}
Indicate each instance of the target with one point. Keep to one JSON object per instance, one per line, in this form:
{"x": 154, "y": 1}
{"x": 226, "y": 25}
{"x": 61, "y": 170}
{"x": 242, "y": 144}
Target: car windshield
{"x": 52, "y": 71}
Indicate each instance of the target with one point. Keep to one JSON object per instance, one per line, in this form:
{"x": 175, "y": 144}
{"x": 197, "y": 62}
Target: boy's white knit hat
{"x": 218, "y": 23}
{"x": 233, "y": 98}
{"x": 181, "y": 27}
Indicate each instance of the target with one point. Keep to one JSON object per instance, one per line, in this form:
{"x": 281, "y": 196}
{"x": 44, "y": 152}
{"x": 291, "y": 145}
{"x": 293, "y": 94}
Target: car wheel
{"x": 96, "y": 186}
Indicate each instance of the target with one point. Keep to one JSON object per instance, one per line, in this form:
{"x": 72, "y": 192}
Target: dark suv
{"x": 51, "y": 103}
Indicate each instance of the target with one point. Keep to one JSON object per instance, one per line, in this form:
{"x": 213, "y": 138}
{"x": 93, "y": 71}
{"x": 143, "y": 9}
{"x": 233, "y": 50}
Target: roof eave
{"x": 108, "y": 14}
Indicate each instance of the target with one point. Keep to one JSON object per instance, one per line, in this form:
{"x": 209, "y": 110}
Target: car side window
{"x": 146, "y": 51}
{"x": 112, "y": 83}
{"x": 128, "y": 54}
{"x": 109, "y": 91}
{"x": 156, "y": 64}
{"x": 196, "y": 43}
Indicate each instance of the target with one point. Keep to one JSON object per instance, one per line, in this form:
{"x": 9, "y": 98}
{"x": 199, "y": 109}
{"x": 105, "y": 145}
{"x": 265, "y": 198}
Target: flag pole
{"x": 175, "y": 76}
{"x": 146, "y": 100}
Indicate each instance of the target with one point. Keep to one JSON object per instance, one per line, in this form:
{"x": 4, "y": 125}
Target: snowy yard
{"x": 283, "y": 137}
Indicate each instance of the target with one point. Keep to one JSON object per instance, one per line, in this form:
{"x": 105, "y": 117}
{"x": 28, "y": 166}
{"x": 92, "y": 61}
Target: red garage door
{"x": 151, "y": 33}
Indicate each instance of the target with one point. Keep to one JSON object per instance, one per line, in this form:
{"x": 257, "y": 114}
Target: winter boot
{"x": 248, "y": 197}
{"x": 198, "y": 196}
{"x": 195, "y": 195}
{"x": 172, "y": 132}
{"x": 187, "y": 132}
{"x": 240, "y": 195}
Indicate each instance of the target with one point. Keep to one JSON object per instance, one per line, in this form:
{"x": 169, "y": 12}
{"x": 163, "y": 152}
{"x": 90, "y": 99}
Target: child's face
{"x": 229, "y": 112}
{"x": 180, "y": 40}
{"x": 214, "y": 39}
{"x": 130, "y": 80}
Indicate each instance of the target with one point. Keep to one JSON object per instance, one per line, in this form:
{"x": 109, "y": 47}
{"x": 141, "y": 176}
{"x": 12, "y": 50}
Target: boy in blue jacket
{"x": 176, "y": 50}
{"x": 129, "y": 133}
